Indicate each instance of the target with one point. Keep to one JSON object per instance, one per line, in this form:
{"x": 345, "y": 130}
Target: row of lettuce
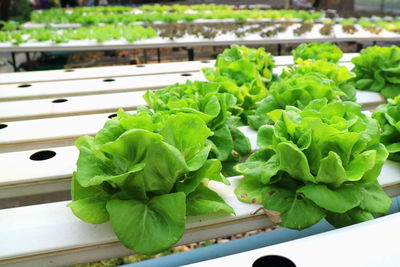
{"x": 12, "y": 33}
{"x": 100, "y": 34}
{"x": 165, "y": 13}
{"x": 318, "y": 156}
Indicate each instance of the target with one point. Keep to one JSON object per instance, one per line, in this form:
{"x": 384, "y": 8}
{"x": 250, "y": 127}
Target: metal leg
{"x": 14, "y": 63}
{"x": 360, "y": 46}
{"x": 190, "y": 54}
{"x": 158, "y": 55}
{"x": 279, "y": 47}
{"x": 28, "y": 60}
{"x": 145, "y": 55}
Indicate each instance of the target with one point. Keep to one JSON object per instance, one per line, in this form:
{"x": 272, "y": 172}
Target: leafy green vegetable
{"x": 377, "y": 69}
{"x": 297, "y": 90}
{"x": 215, "y": 108}
{"x": 388, "y": 116}
{"x": 145, "y": 172}
{"x": 243, "y": 72}
{"x": 339, "y": 74}
{"x": 130, "y": 33}
{"x": 318, "y": 51}
{"x": 165, "y": 13}
{"x": 322, "y": 161}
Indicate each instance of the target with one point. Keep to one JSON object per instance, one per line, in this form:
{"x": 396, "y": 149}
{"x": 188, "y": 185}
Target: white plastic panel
{"x": 26, "y": 108}
{"x": 103, "y": 72}
{"x": 24, "y": 135}
{"x": 128, "y": 70}
{"x": 363, "y": 35}
{"x": 158, "y": 42}
{"x": 68, "y": 106}
{"x": 53, "y": 232}
{"x": 223, "y": 39}
{"x": 369, "y": 244}
{"x": 76, "y": 105}
{"x": 19, "y": 170}
{"x": 92, "y": 86}
{"x": 30, "y": 134}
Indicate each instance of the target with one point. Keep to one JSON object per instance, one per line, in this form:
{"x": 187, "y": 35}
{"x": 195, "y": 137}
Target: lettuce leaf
{"x": 388, "y": 116}
{"x": 377, "y": 69}
{"x": 321, "y": 161}
{"x": 147, "y": 178}
{"x": 318, "y": 51}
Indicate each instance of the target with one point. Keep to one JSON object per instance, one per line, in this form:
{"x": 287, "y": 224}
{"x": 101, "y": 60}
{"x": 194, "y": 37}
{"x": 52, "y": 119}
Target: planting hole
{"x": 205, "y": 61}
{"x": 299, "y": 197}
{"x": 42, "y": 155}
{"x": 69, "y": 70}
{"x": 24, "y": 85}
{"x": 273, "y": 261}
{"x": 271, "y": 192}
{"x": 140, "y": 66}
{"x": 186, "y": 74}
{"x": 2, "y": 126}
{"x": 109, "y": 80}
{"x": 112, "y": 116}
{"x": 60, "y": 100}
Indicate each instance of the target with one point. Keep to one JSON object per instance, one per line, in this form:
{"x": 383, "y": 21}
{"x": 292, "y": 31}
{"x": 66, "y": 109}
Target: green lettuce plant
{"x": 377, "y": 69}
{"x": 318, "y": 51}
{"x": 205, "y": 100}
{"x": 369, "y": 25}
{"x": 145, "y": 173}
{"x": 339, "y": 74}
{"x": 164, "y": 13}
{"x": 243, "y": 72}
{"x": 319, "y": 162}
{"x": 388, "y": 116}
{"x": 130, "y": 33}
{"x": 348, "y": 26}
{"x": 296, "y": 89}
{"x": 9, "y": 25}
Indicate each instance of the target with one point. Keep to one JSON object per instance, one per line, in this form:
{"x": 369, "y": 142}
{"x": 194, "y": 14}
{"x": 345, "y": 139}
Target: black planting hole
{"x": 273, "y": 261}
{"x": 112, "y": 116}
{"x": 109, "y": 80}
{"x": 60, "y": 100}
{"x": 2, "y": 125}
{"x": 42, "y": 155}
{"x": 69, "y": 70}
{"x": 140, "y": 66}
{"x": 24, "y": 85}
{"x": 186, "y": 74}
{"x": 205, "y": 61}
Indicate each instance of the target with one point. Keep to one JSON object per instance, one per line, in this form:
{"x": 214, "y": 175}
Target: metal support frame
{"x": 360, "y": 46}
{"x": 190, "y": 53}
{"x": 145, "y": 55}
{"x": 279, "y": 48}
{"x": 28, "y": 60}
{"x": 13, "y": 62}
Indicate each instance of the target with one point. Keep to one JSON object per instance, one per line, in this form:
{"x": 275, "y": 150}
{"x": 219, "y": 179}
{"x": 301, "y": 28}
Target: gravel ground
{"x": 140, "y": 257}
